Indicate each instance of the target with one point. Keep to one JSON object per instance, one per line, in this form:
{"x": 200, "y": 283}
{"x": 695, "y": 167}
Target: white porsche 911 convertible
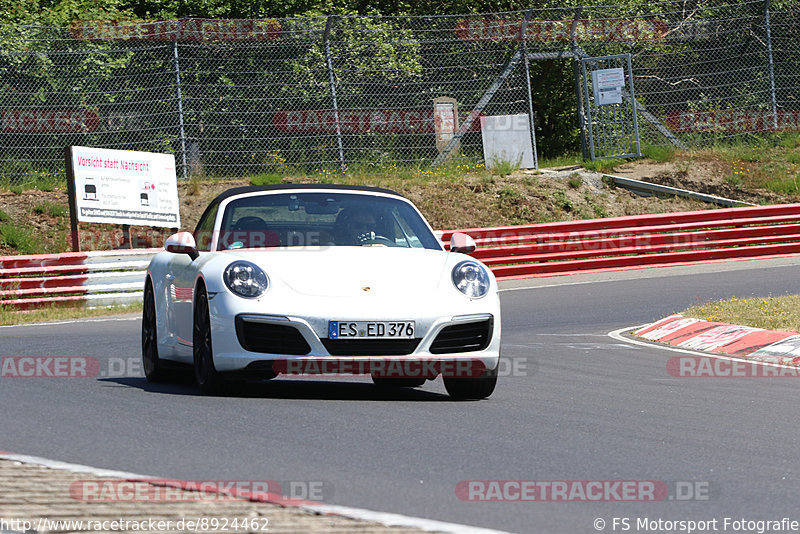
{"x": 321, "y": 279}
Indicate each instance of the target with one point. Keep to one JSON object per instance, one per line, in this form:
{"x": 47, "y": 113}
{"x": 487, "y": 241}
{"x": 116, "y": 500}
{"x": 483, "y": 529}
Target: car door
{"x": 181, "y": 276}
{"x": 181, "y": 279}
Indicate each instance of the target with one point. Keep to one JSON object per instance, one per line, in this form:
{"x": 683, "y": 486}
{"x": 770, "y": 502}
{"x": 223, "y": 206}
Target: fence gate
{"x": 610, "y": 106}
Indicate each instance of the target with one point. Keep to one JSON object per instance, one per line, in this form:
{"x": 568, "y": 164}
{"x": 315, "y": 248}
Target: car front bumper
{"x": 247, "y": 338}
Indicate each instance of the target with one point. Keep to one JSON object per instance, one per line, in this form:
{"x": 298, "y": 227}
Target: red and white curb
{"x": 383, "y": 518}
{"x": 768, "y": 346}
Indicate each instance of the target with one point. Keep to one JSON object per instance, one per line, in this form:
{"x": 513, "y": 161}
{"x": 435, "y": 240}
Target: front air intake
{"x": 270, "y": 338}
{"x": 466, "y": 337}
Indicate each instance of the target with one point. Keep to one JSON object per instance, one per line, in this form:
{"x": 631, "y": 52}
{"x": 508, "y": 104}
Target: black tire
{"x": 206, "y": 376}
{"x": 397, "y": 382}
{"x": 477, "y": 388}
{"x": 153, "y": 366}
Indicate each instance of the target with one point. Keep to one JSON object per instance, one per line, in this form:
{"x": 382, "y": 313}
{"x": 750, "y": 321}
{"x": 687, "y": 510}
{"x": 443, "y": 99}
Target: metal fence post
{"x": 588, "y": 107}
{"x": 633, "y": 107}
{"x": 181, "y": 129}
{"x": 523, "y": 37}
{"x": 771, "y": 66}
{"x": 332, "y": 83}
{"x": 576, "y": 70}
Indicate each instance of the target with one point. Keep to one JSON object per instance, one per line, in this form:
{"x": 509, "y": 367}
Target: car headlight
{"x": 245, "y": 279}
{"x": 471, "y": 279}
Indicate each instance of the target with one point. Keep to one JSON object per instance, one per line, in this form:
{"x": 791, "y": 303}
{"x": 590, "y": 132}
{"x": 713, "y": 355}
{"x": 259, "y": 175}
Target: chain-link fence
{"x": 232, "y": 98}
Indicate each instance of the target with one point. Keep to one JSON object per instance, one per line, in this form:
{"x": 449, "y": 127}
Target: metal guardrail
{"x": 547, "y": 249}
{"x": 96, "y": 278}
{"x": 551, "y": 249}
{"x": 648, "y": 189}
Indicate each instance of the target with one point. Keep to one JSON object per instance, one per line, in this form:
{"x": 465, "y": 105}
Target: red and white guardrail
{"x": 616, "y": 243}
{"x": 95, "y": 278}
{"x": 547, "y": 249}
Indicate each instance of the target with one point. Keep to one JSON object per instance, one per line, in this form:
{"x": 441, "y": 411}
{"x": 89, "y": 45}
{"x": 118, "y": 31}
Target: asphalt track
{"x": 579, "y": 406}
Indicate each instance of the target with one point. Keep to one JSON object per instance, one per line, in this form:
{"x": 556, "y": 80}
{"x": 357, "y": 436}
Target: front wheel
{"x": 476, "y": 388}
{"x": 208, "y": 379}
{"x": 153, "y": 366}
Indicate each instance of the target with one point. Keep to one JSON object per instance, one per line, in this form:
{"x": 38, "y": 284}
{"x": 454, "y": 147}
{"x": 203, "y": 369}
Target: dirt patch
{"x": 708, "y": 177}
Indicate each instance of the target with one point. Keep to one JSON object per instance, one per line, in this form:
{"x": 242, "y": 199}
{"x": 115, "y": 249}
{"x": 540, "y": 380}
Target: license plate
{"x": 371, "y": 329}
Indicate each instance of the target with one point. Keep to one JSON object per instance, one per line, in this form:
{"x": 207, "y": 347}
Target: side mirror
{"x": 462, "y": 243}
{"x": 182, "y": 243}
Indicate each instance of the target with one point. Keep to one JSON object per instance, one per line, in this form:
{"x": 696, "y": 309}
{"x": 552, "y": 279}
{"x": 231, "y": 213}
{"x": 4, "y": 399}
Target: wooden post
{"x": 73, "y": 211}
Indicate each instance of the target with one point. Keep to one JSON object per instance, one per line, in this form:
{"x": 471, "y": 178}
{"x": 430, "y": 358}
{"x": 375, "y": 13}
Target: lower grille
{"x": 370, "y": 347}
{"x": 270, "y": 338}
{"x": 463, "y": 337}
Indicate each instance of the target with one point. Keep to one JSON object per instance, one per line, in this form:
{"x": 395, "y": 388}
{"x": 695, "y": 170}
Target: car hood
{"x": 352, "y": 271}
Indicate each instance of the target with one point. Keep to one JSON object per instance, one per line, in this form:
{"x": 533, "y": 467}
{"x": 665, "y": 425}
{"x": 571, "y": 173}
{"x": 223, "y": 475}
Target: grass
{"x": 771, "y": 313}
{"x": 52, "y": 209}
{"x": 566, "y": 160}
{"x": 772, "y": 164}
{"x": 195, "y": 185}
{"x": 575, "y": 180}
{"x": 60, "y": 313}
{"x": 561, "y": 200}
{"x": 20, "y": 239}
{"x": 266, "y": 179}
{"x": 737, "y": 174}
{"x": 659, "y": 153}
{"x": 504, "y": 167}
{"x": 596, "y": 209}
{"x": 742, "y": 152}
{"x": 39, "y": 181}
{"x": 604, "y": 165}
{"x": 58, "y": 210}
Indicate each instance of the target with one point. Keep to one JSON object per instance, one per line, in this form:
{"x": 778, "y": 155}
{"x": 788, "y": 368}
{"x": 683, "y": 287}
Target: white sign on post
{"x": 507, "y": 138}
{"x": 607, "y": 86}
{"x": 124, "y": 187}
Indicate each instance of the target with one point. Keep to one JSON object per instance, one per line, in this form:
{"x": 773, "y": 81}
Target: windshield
{"x": 323, "y": 219}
